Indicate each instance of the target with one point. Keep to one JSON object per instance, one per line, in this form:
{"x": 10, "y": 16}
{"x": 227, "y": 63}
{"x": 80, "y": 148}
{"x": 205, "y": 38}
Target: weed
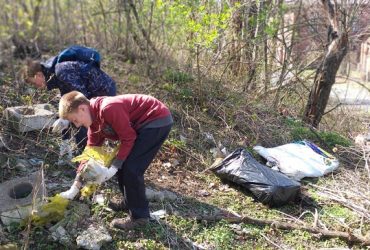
{"x": 134, "y": 79}
{"x": 339, "y": 213}
{"x": 175, "y": 143}
{"x": 219, "y": 237}
{"x": 177, "y": 77}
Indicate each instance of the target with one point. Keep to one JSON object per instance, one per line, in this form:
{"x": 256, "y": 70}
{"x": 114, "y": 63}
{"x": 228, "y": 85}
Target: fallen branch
{"x": 347, "y": 236}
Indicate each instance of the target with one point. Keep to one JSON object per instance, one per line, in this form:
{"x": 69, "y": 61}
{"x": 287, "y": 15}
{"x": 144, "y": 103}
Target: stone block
{"x": 17, "y": 195}
{"x": 29, "y": 118}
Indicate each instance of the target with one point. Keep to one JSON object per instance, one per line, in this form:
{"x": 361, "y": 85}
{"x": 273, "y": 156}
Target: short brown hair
{"x": 70, "y": 102}
{"x": 30, "y": 69}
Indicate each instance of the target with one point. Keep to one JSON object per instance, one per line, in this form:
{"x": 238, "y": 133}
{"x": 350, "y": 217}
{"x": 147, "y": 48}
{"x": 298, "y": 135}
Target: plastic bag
{"x": 99, "y": 154}
{"x": 268, "y": 186}
{"x": 299, "y": 160}
{"x": 92, "y": 171}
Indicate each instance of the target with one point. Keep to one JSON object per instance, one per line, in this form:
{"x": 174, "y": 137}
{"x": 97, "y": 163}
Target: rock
{"x": 94, "y": 237}
{"x": 22, "y": 165}
{"x": 9, "y": 246}
{"x": 74, "y": 218}
{"x": 15, "y": 215}
{"x": 60, "y": 234}
{"x": 168, "y": 195}
{"x": 153, "y": 195}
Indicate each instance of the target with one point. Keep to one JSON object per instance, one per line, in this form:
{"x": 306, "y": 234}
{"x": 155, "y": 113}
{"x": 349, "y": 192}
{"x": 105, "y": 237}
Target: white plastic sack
{"x": 299, "y": 160}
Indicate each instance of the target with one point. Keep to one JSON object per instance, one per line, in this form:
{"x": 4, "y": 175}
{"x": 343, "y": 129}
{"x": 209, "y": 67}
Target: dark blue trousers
{"x": 131, "y": 175}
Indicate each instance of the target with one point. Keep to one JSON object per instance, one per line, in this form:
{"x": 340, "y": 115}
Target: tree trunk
{"x": 56, "y": 30}
{"x": 326, "y": 73}
{"x": 83, "y": 22}
{"x": 236, "y": 28}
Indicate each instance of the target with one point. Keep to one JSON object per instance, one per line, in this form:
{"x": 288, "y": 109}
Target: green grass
{"x": 299, "y": 131}
{"x": 177, "y": 76}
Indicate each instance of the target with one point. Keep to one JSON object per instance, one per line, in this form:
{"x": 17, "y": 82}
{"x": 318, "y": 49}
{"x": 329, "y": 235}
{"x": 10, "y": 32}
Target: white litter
{"x": 299, "y": 160}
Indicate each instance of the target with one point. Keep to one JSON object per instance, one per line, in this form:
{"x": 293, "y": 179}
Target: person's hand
{"x": 59, "y": 125}
{"x": 81, "y": 166}
{"x": 70, "y": 193}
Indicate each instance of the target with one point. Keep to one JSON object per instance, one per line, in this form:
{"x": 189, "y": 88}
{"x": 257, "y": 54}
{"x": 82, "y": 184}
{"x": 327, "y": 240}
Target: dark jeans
{"x": 131, "y": 175}
{"x": 80, "y": 137}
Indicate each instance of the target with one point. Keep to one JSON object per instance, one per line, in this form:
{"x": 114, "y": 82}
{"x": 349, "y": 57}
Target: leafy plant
{"x": 300, "y": 132}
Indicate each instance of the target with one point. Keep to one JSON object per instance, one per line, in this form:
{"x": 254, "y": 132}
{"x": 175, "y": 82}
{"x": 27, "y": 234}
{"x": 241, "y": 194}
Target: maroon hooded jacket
{"x": 121, "y": 117}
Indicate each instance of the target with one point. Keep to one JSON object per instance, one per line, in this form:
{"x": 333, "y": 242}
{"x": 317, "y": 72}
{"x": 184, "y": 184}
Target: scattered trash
{"x": 203, "y": 193}
{"x": 99, "y": 199}
{"x": 268, "y": 186}
{"x": 166, "y": 165}
{"x": 223, "y": 149}
{"x": 299, "y": 160}
{"x": 158, "y": 214}
{"x": 35, "y": 162}
{"x": 94, "y": 237}
{"x": 183, "y": 139}
{"x": 210, "y": 139}
{"x": 212, "y": 185}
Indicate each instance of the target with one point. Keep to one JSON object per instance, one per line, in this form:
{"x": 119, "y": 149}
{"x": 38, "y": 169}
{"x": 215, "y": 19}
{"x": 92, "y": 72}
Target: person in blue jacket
{"x": 69, "y": 76}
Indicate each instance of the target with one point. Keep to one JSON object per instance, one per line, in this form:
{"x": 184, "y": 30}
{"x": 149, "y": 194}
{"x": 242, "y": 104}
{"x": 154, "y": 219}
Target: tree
{"x": 326, "y": 72}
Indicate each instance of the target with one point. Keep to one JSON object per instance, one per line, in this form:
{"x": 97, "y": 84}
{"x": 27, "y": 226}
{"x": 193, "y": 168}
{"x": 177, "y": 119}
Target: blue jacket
{"x": 71, "y": 75}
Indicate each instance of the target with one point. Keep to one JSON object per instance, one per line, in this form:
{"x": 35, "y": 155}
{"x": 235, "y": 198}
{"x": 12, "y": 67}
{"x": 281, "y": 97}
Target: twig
{"x": 271, "y": 242}
{"x": 336, "y": 106}
{"x": 347, "y": 236}
{"x": 366, "y": 161}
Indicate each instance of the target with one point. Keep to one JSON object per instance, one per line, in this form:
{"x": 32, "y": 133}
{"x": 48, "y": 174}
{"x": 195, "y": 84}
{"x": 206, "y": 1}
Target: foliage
{"x": 177, "y": 77}
{"x": 300, "y": 132}
{"x": 195, "y": 20}
{"x": 220, "y": 235}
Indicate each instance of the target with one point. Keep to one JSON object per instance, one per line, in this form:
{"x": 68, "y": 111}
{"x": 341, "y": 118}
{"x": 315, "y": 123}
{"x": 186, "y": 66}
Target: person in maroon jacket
{"x": 141, "y": 124}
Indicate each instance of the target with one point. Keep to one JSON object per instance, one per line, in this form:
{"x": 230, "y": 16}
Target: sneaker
{"x": 129, "y": 223}
{"x": 117, "y": 204}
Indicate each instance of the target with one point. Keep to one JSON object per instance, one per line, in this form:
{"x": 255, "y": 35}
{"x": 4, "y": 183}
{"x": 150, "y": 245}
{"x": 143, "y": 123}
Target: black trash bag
{"x": 268, "y": 186}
